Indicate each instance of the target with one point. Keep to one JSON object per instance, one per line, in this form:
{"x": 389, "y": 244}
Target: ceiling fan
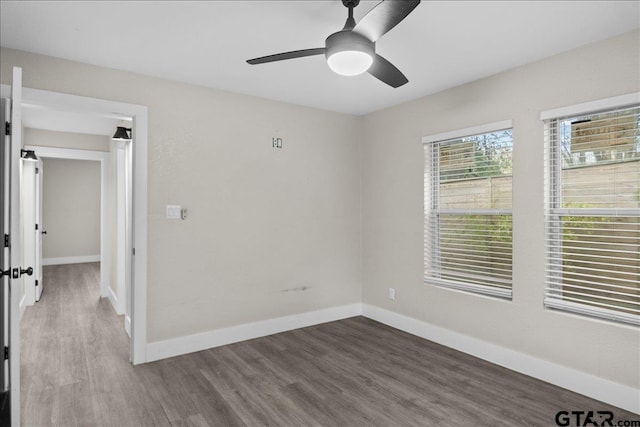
{"x": 352, "y": 50}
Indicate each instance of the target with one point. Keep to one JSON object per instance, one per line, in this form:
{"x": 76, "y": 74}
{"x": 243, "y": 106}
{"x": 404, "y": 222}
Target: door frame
{"x": 28, "y": 196}
{"x": 105, "y": 229}
{"x": 139, "y": 115}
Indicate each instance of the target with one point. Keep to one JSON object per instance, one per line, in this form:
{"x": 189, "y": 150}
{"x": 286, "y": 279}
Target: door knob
{"x": 17, "y": 272}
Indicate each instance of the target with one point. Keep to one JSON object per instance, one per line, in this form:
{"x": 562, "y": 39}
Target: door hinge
{"x": 6, "y": 240}
{"x": 134, "y": 251}
{"x": 7, "y": 128}
{"x": 36, "y": 226}
{"x": 36, "y": 283}
{"x": 6, "y": 353}
{"x": 37, "y": 171}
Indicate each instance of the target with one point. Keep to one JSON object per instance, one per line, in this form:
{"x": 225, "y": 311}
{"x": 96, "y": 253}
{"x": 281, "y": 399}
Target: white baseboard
{"x": 616, "y": 394}
{"x": 113, "y": 299}
{"x": 71, "y": 260}
{"x": 219, "y": 337}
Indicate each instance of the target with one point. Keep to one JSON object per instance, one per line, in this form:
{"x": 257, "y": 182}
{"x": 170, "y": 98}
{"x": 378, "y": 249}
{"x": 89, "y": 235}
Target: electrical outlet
{"x": 392, "y": 294}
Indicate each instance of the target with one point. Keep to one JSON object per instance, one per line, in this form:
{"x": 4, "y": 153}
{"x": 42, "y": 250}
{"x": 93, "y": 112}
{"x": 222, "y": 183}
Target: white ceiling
{"x": 440, "y": 45}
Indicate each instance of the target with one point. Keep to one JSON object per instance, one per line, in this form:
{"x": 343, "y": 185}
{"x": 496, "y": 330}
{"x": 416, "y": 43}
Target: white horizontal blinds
{"x": 593, "y": 214}
{"x": 468, "y": 196}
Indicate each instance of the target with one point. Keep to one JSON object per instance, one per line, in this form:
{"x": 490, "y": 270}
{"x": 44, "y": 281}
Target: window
{"x": 468, "y": 192}
{"x": 593, "y": 213}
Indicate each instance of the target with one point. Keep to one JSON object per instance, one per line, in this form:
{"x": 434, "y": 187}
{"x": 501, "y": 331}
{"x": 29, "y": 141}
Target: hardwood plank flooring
{"x": 354, "y": 372}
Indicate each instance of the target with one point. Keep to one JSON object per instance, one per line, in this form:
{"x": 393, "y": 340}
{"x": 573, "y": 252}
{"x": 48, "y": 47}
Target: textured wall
{"x": 392, "y": 162}
{"x": 71, "y": 208}
{"x": 261, "y": 221}
{"x": 265, "y": 221}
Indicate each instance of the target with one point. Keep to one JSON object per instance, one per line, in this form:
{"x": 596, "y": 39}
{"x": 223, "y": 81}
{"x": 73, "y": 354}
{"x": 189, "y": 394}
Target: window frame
{"x": 554, "y": 210}
{"x": 433, "y": 210}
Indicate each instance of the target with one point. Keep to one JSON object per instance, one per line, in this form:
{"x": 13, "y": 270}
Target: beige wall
{"x": 79, "y": 141}
{"x": 393, "y": 209}
{"x": 261, "y": 220}
{"x": 71, "y": 208}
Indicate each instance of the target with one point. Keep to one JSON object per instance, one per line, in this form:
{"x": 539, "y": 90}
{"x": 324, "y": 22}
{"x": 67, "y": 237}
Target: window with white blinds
{"x": 593, "y": 214}
{"x": 468, "y": 201}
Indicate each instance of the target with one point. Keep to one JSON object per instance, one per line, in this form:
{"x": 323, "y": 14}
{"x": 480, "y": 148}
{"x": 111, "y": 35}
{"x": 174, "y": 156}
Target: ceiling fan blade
{"x": 383, "y": 17}
{"x": 386, "y": 72}
{"x": 286, "y": 55}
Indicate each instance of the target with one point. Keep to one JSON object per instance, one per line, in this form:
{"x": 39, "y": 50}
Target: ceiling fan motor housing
{"x": 348, "y": 40}
{"x": 350, "y": 3}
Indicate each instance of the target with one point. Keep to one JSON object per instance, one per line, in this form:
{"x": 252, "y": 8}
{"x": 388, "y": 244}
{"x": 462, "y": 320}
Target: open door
{"x": 27, "y": 216}
{"x": 15, "y": 250}
{"x": 39, "y": 229}
{"x": 31, "y": 234}
{"x": 12, "y": 270}
{"x": 5, "y": 401}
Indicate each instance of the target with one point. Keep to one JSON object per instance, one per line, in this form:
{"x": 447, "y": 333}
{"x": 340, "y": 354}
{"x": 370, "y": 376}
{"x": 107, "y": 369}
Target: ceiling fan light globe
{"x": 350, "y": 62}
{"x": 349, "y": 53}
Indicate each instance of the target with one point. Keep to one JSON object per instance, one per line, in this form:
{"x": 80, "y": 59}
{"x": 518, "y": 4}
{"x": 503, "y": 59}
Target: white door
{"x": 39, "y": 230}
{"x": 5, "y": 270}
{"x": 28, "y": 200}
{"x": 15, "y": 254}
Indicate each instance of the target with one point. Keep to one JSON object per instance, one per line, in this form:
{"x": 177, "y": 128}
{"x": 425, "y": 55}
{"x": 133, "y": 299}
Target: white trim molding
{"x": 139, "y": 115}
{"x": 474, "y": 130}
{"x": 68, "y": 153}
{"x": 616, "y": 394}
{"x": 71, "y": 260}
{"x": 592, "y": 106}
{"x": 219, "y": 337}
{"x": 127, "y": 325}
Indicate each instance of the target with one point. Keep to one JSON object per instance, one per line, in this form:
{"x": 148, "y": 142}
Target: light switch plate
{"x": 174, "y": 212}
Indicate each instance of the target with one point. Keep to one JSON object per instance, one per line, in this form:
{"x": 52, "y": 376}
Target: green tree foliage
{"x": 479, "y": 156}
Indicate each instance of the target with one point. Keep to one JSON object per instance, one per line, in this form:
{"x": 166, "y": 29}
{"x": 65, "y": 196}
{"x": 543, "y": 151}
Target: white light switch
{"x": 174, "y": 212}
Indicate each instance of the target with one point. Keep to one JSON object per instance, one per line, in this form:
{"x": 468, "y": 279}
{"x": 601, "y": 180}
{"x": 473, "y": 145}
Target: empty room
{"x": 320, "y": 213}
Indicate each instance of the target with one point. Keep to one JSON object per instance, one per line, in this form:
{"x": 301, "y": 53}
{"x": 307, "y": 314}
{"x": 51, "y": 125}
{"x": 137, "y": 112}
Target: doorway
{"x": 138, "y": 114}
{"x": 67, "y": 158}
{"x": 16, "y": 98}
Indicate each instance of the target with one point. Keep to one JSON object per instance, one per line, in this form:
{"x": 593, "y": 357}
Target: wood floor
{"x": 354, "y": 372}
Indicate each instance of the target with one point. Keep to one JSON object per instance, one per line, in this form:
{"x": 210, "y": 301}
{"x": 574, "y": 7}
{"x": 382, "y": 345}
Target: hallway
{"x": 75, "y": 357}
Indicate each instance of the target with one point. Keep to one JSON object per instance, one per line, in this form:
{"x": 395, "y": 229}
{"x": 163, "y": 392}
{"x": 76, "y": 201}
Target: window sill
{"x": 590, "y": 311}
{"x": 474, "y": 289}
